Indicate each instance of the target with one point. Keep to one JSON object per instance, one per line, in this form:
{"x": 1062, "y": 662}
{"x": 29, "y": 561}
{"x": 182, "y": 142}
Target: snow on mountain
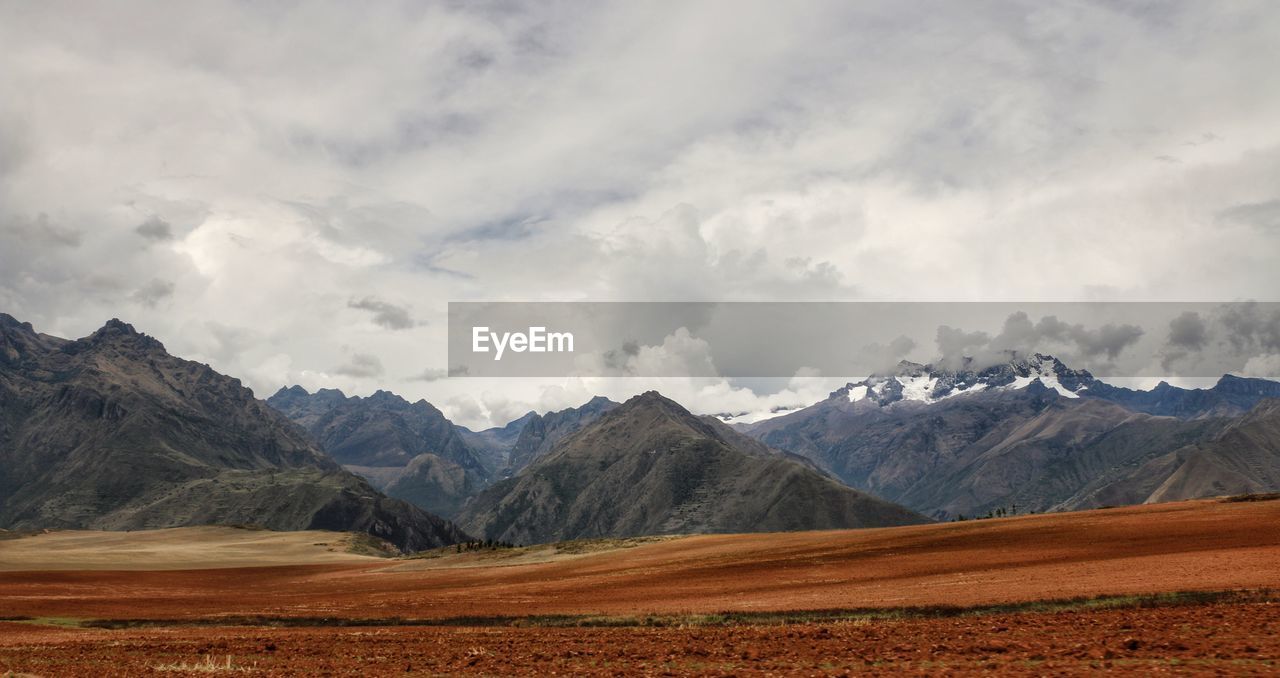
{"x": 913, "y": 382}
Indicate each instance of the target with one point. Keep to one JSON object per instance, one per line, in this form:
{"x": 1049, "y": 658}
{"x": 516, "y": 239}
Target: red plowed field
{"x": 1210, "y": 546}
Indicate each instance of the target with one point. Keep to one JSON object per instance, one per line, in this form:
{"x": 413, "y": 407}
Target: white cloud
{"x": 1265, "y": 366}
{"x": 303, "y": 156}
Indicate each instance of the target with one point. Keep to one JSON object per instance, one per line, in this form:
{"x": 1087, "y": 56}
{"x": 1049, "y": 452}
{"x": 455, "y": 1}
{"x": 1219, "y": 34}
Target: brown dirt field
{"x": 1204, "y": 546}
{"x": 1231, "y": 639}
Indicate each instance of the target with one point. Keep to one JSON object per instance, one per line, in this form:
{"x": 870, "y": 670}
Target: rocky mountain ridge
{"x": 409, "y": 450}
{"x": 1032, "y": 433}
{"x": 112, "y": 432}
{"x": 648, "y": 466}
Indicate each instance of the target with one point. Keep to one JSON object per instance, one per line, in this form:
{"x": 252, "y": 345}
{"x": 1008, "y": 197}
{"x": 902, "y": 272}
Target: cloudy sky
{"x": 293, "y": 192}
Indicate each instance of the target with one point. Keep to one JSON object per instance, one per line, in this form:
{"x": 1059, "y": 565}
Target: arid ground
{"x": 1181, "y": 588}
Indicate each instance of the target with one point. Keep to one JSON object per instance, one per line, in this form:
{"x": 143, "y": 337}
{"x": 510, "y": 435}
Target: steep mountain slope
{"x": 112, "y": 432}
{"x": 650, "y": 467}
{"x": 410, "y": 450}
{"x": 543, "y": 431}
{"x": 1244, "y": 457}
{"x": 1026, "y": 434}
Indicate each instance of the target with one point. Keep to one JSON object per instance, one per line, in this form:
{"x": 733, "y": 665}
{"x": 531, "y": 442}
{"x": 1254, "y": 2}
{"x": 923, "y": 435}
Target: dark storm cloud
{"x": 1188, "y": 331}
{"x": 385, "y": 314}
{"x": 155, "y": 228}
{"x": 1021, "y": 336}
{"x": 1109, "y": 339}
{"x": 361, "y": 366}
{"x": 1250, "y": 326}
{"x": 1188, "y": 334}
{"x": 954, "y": 345}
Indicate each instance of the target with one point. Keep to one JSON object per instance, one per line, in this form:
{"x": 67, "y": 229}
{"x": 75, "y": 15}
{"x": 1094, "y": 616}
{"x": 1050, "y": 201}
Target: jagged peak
{"x": 596, "y": 404}
{"x": 651, "y": 399}
{"x": 912, "y": 381}
{"x": 291, "y": 391}
{"x": 381, "y": 395}
{"x": 907, "y": 368}
{"x": 9, "y": 322}
{"x": 116, "y": 332}
{"x": 1233, "y": 382}
{"x": 118, "y": 325}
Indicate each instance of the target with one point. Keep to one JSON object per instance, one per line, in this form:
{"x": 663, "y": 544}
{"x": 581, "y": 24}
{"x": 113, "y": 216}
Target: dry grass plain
{"x": 182, "y": 548}
{"x": 956, "y": 597}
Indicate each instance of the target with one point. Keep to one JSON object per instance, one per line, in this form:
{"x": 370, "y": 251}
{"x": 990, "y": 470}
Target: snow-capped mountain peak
{"x": 913, "y": 382}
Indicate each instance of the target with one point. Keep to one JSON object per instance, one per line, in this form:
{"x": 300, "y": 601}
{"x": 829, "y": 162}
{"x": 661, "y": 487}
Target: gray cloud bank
{"x": 280, "y": 165}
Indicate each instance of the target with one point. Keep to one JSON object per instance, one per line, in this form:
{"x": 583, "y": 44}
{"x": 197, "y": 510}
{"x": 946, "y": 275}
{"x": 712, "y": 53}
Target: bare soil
{"x": 1231, "y": 639}
{"x": 351, "y": 615}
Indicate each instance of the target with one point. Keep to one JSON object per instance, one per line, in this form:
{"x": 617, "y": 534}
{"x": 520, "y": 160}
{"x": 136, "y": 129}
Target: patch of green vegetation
{"x": 65, "y": 622}
{"x": 607, "y": 544}
{"x": 572, "y": 547}
{"x": 859, "y": 615}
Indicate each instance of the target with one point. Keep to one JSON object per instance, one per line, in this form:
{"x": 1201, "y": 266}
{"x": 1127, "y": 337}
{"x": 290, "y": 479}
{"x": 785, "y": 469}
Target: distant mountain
{"x": 648, "y": 466}
{"x": 1231, "y": 396}
{"x": 112, "y": 432}
{"x": 913, "y": 382}
{"x": 542, "y": 431}
{"x": 380, "y": 430}
{"x": 1243, "y": 457}
{"x": 1031, "y": 433}
{"x": 410, "y": 450}
{"x": 493, "y": 445}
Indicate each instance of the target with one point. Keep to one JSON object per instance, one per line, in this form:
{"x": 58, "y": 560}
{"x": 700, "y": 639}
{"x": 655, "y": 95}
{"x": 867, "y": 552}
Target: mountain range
{"x": 542, "y": 432}
{"x": 648, "y": 466}
{"x": 409, "y": 450}
{"x": 112, "y": 432}
{"x": 1029, "y": 433}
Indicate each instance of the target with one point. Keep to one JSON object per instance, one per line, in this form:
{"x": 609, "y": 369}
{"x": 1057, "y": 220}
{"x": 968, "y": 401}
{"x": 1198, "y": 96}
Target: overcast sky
{"x": 293, "y": 192}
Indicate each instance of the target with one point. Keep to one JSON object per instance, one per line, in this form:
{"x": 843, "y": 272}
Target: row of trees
{"x": 994, "y": 513}
{"x": 485, "y": 545}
